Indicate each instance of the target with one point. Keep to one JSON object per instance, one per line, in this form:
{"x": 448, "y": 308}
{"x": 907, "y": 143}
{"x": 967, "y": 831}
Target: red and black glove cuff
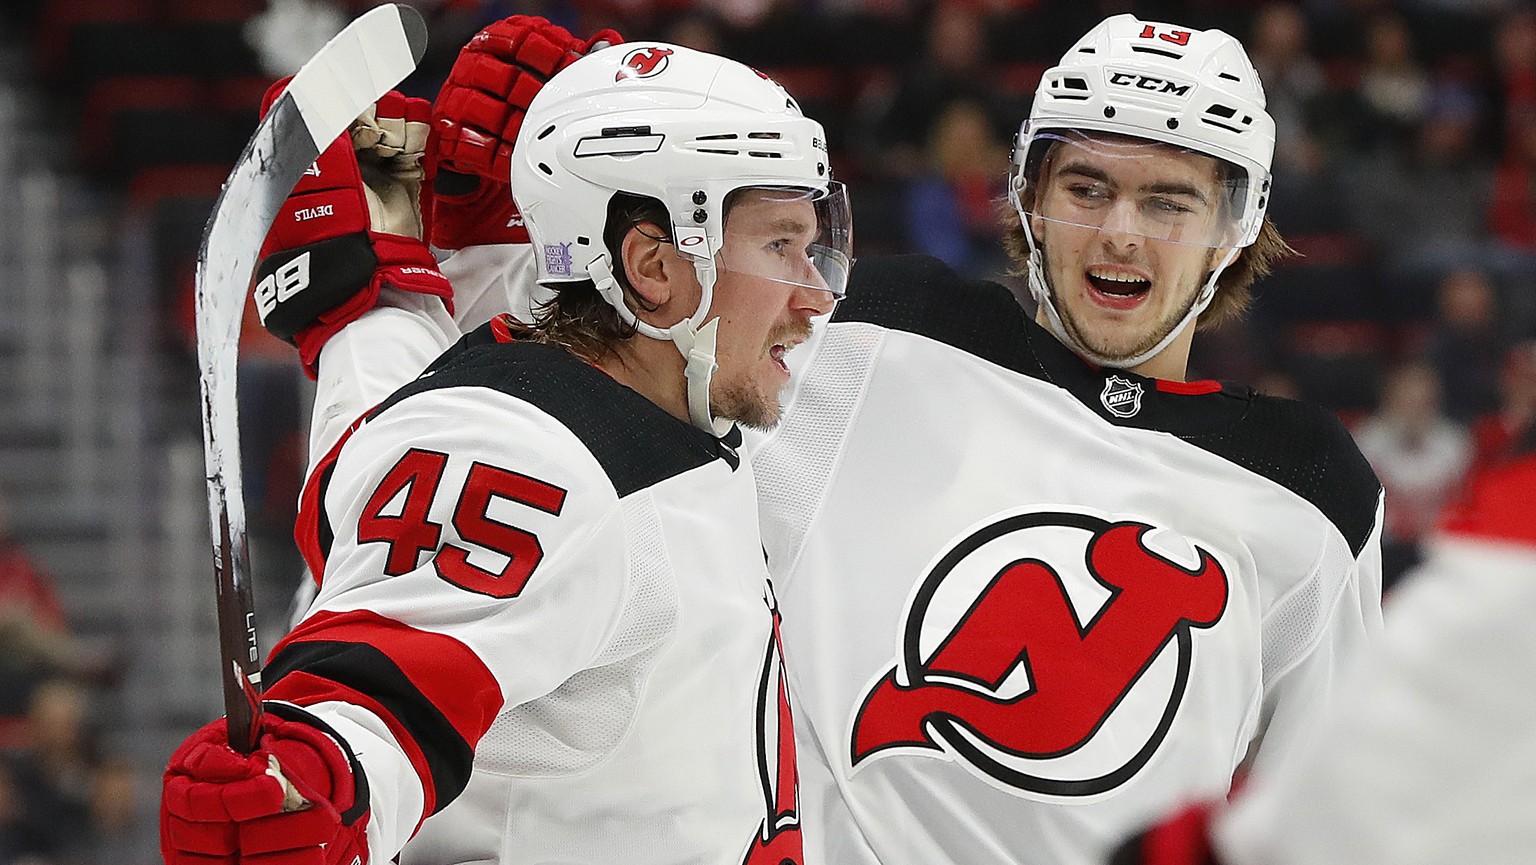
{"x": 308, "y": 294}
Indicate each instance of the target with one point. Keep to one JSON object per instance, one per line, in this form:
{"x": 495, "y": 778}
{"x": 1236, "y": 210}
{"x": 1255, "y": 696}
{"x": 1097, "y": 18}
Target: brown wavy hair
{"x": 577, "y": 317}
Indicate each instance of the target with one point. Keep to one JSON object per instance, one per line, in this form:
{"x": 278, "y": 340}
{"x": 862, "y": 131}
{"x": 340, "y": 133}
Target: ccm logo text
{"x": 1147, "y": 82}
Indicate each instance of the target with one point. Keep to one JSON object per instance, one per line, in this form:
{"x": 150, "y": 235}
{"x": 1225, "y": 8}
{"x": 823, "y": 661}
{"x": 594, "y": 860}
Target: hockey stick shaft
{"x": 349, "y": 73}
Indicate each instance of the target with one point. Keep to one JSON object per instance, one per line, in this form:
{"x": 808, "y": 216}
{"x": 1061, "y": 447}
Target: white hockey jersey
{"x": 1030, "y": 605}
{"x": 545, "y": 627}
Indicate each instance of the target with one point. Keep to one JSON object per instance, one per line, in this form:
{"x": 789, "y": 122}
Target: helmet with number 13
{"x": 1141, "y": 179}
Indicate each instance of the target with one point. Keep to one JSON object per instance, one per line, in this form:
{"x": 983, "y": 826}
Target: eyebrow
{"x": 789, "y": 225}
{"x": 1161, "y": 188}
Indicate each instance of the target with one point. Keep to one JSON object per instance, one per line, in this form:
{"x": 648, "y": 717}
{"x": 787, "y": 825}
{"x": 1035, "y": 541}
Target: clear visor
{"x": 1132, "y": 187}
{"x": 795, "y": 236}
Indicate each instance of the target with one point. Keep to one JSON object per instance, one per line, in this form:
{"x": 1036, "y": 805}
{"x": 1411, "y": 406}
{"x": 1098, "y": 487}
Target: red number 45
{"x": 416, "y": 478}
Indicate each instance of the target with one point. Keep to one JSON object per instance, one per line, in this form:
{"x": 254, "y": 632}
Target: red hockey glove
{"x": 352, "y": 225}
{"x": 1180, "y": 839}
{"x": 220, "y": 807}
{"x": 475, "y": 122}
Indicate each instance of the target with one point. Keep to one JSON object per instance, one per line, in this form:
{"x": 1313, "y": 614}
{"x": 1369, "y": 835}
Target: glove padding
{"x": 475, "y": 121}
{"x": 219, "y": 807}
{"x": 353, "y": 224}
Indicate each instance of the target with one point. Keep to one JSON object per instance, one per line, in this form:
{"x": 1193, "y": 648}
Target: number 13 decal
{"x": 1177, "y": 37}
{"x": 417, "y": 477}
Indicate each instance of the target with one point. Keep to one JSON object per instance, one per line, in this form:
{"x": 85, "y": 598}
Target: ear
{"x": 1037, "y": 232}
{"x": 1218, "y": 254}
{"x": 650, "y": 265}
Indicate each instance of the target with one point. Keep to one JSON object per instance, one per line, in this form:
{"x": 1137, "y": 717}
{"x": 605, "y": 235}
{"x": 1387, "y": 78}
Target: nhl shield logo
{"x": 1122, "y": 397}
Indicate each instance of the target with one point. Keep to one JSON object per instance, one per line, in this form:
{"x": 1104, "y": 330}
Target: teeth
{"x": 1115, "y": 276}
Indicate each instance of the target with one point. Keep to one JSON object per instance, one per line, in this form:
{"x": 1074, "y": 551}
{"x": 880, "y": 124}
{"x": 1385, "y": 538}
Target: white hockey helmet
{"x": 686, "y": 128}
{"x": 1132, "y": 80}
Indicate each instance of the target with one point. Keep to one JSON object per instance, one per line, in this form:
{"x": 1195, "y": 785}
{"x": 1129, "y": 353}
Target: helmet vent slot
{"x": 764, "y": 154}
{"x": 1228, "y": 127}
{"x": 1229, "y": 76}
{"x": 1226, "y": 112}
{"x": 1060, "y": 88}
{"x": 545, "y": 134}
{"x": 1147, "y": 49}
{"x": 629, "y": 141}
{"x": 772, "y": 136}
{"x": 545, "y": 168}
{"x": 720, "y": 152}
{"x": 723, "y": 136}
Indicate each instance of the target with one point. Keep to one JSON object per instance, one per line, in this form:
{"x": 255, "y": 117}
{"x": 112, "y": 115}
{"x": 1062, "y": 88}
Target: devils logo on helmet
{"x": 643, "y": 63}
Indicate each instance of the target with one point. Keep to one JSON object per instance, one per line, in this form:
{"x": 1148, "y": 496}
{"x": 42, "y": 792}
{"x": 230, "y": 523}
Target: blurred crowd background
{"x": 1405, "y": 177}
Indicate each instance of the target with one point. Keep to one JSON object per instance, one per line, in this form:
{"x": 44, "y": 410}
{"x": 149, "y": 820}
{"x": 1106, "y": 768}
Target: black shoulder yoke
{"x": 1301, "y": 447}
{"x": 636, "y": 442}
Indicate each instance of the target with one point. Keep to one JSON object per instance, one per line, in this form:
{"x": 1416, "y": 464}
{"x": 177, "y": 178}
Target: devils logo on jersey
{"x": 643, "y": 63}
{"x": 778, "y": 839}
{"x": 1047, "y": 651}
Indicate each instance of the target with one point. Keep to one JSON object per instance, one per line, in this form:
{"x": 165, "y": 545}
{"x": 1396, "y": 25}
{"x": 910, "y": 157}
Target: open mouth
{"x": 1119, "y": 283}
{"x": 777, "y": 353}
{"x": 784, "y": 341}
{"x": 1118, "y": 288}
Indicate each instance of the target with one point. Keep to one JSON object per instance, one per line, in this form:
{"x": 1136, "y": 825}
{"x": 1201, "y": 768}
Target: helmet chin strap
{"x": 694, "y": 340}
{"x": 1044, "y": 296}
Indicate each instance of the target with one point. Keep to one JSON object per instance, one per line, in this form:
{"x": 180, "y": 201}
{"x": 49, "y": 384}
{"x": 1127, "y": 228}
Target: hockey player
{"x": 544, "y": 631}
{"x": 1037, "y": 586}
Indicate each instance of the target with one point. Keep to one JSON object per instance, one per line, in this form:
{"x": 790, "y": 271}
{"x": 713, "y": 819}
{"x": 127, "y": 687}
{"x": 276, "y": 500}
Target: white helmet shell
{"x": 669, "y": 123}
{"x": 1194, "y": 89}
{"x": 658, "y": 120}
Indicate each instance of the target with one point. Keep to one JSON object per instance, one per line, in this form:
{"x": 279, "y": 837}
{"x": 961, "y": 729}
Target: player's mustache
{"x": 790, "y": 334}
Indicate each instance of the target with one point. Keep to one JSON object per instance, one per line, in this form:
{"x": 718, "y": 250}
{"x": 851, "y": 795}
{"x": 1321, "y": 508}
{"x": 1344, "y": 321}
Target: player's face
{"x": 764, "y": 301}
{"x": 1121, "y": 240}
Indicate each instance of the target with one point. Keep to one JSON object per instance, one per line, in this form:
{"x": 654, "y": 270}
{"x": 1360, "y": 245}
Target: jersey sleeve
{"x": 491, "y": 279}
{"x": 371, "y": 357}
{"x": 392, "y": 343}
{"x": 478, "y": 561}
{"x": 1311, "y": 635}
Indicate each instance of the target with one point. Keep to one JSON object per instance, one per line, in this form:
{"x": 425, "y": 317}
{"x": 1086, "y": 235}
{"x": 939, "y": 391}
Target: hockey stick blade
{"x": 349, "y": 73}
